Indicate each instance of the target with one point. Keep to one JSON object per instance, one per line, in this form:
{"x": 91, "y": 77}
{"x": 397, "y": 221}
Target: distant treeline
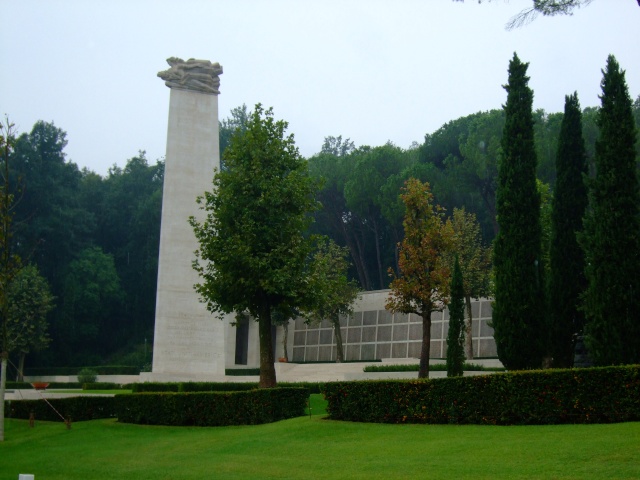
{"x": 95, "y": 238}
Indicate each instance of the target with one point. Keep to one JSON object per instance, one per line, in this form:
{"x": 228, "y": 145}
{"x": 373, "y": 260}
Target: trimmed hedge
{"x": 78, "y": 408}
{"x": 591, "y": 395}
{"x": 102, "y": 370}
{"x": 216, "y": 386}
{"x": 101, "y": 386}
{"x": 156, "y": 387}
{"x": 205, "y": 409}
{"x": 242, "y": 372}
{"x": 313, "y": 387}
{"x": 438, "y": 367}
{"x": 52, "y": 385}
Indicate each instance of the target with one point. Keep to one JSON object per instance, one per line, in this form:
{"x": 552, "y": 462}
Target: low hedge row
{"x": 77, "y": 408}
{"x": 27, "y": 385}
{"x": 102, "y": 370}
{"x": 438, "y": 367}
{"x": 242, "y": 372}
{"x": 104, "y": 386}
{"x": 212, "y": 408}
{"x": 590, "y": 395}
{"x": 157, "y": 387}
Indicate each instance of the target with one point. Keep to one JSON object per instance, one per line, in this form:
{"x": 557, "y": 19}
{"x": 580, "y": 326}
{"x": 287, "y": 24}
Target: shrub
{"x": 212, "y": 408}
{"x": 87, "y": 375}
{"x": 77, "y": 408}
{"x": 593, "y": 395}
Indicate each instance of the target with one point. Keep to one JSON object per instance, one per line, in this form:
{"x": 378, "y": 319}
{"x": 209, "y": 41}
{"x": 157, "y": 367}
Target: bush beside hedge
{"x": 212, "y": 408}
{"x": 78, "y": 408}
{"x": 592, "y": 395}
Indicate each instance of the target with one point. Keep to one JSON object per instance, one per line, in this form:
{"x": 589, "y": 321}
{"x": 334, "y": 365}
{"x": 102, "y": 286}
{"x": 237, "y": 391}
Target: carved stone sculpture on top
{"x": 198, "y": 75}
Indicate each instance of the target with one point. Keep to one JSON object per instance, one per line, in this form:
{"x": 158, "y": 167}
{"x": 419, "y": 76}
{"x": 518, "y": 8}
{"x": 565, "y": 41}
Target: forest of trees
{"x": 95, "y": 238}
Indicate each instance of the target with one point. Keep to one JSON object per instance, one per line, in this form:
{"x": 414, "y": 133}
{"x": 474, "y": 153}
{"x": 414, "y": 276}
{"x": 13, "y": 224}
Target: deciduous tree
{"x": 611, "y": 237}
{"x": 90, "y": 304}
{"x": 235, "y": 123}
{"x": 30, "y": 300}
{"x": 253, "y": 253}
{"x": 334, "y": 293}
{"x": 10, "y": 263}
{"x": 422, "y": 283}
{"x": 475, "y": 265}
{"x": 519, "y": 302}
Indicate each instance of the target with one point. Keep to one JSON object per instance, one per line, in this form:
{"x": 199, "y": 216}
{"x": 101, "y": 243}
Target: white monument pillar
{"x": 189, "y": 342}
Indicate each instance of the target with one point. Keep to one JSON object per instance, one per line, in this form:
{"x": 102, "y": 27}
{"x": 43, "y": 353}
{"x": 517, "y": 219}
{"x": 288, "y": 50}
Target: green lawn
{"x": 313, "y": 447}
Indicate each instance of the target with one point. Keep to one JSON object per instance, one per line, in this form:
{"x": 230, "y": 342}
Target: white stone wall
{"x": 374, "y": 333}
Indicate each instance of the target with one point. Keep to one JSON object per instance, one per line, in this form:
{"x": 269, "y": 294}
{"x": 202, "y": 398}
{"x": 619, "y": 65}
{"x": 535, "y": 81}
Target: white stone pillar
{"x": 189, "y": 342}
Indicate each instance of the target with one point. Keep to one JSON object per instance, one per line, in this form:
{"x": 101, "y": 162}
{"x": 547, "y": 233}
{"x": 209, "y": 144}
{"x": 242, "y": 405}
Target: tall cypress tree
{"x": 566, "y": 258}
{"x": 519, "y": 301}
{"x": 612, "y": 231}
{"x": 455, "y": 337}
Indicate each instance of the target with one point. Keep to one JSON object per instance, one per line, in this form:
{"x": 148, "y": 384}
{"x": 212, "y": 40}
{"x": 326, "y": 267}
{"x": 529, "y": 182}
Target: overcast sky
{"x": 369, "y": 70}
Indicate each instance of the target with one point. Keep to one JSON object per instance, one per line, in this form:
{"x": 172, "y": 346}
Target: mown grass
{"x": 313, "y": 447}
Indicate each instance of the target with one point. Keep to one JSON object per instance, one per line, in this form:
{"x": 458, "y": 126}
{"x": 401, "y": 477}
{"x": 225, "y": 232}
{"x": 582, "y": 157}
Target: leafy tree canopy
{"x": 422, "y": 283}
{"x": 253, "y": 252}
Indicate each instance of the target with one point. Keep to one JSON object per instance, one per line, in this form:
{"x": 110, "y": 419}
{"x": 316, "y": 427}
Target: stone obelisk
{"x": 189, "y": 342}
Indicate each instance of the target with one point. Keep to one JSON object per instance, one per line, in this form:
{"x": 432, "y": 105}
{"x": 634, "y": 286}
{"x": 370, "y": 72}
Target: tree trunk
{"x": 378, "y": 255}
{"x": 285, "y": 334}
{"x": 426, "y": 345}
{"x": 267, "y": 369}
{"x": 338, "y": 334}
{"x": 20, "y": 373}
{"x": 3, "y": 385}
{"x": 356, "y": 255}
{"x": 468, "y": 331}
{"x": 365, "y": 271}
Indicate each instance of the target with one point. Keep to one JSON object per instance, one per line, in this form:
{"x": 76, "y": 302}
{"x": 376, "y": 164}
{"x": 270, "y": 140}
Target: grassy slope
{"x": 321, "y": 449}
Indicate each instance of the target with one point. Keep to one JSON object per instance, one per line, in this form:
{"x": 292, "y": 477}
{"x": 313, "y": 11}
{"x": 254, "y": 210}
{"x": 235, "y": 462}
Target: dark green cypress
{"x": 519, "y": 299}
{"x": 455, "y": 337}
{"x": 612, "y": 231}
{"x": 566, "y": 258}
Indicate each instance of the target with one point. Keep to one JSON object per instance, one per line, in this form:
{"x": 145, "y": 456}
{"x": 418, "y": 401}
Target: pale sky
{"x": 371, "y": 70}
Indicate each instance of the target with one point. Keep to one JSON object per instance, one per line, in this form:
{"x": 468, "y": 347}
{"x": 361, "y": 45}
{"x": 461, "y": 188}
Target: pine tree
{"x": 519, "y": 303}
{"x": 455, "y": 337}
{"x": 566, "y": 258}
{"x": 612, "y": 231}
